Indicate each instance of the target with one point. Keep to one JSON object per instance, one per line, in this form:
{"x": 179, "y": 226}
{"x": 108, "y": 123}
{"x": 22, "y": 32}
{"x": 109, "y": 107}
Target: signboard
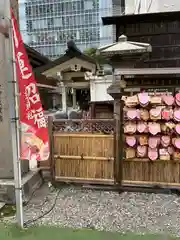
{"x": 149, "y": 82}
{"x": 151, "y": 91}
{"x": 159, "y": 91}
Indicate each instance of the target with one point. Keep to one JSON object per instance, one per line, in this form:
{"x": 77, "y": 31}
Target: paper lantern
{"x": 4, "y": 27}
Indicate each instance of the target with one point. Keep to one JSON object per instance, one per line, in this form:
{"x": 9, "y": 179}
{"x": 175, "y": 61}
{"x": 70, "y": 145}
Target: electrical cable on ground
{"x": 32, "y": 195}
{"x": 31, "y": 221}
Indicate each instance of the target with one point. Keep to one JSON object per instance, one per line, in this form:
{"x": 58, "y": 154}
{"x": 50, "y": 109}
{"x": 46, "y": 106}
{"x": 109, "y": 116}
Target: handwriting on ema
{"x": 32, "y": 97}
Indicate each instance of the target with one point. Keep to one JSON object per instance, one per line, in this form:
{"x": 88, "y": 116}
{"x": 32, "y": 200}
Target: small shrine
{"x": 46, "y": 86}
{"x": 101, "y": 103}
{"x": 69, "y": 70}
{"x": 124, "y": 47}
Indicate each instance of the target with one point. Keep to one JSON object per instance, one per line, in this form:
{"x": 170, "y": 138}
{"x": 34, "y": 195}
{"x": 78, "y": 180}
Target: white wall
{"x": 168, "y": 5}
{"x": 98, "y": 89}
{"x": 131, "y": 6}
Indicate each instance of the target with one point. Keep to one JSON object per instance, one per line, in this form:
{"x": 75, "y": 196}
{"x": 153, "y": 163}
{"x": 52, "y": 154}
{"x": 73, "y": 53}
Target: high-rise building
{"x": 48, "y": 25}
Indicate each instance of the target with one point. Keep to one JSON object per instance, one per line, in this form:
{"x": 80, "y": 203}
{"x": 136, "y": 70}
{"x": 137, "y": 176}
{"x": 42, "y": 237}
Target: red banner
{"x": 34, "y": 131}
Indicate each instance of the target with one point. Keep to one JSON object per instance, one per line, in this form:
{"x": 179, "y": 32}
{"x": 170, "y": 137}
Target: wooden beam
{"x": 85, "y": 180}
{"x": 46, "y": 86}
{"x": 90, "y": 158}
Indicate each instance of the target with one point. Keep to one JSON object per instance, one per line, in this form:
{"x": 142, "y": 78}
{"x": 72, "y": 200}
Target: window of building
{"x": 50, "y": 22}
{"x": 39, "y": 24}
{"x": 58, "y": 22}
{"x": 28, "y": 10}
{"x": 29, "y": 26}
{"x": 95, "y": 34}
{"x": 82, "y": 5}
{"x": 88, "y": 5}
{"x": 53, "y": 22}
{"x": 86, "y": 19}
{"x": 79, "y": 7}
{"x": 61, "y": 37}
{"x": 77, "y": 34}
{"x": 74, "y": 6}
{"x": 78, "y": 20}
{"x": 96, "y": 4}
{"x": 41, "y": 10}
{"x": 49, "y": 8}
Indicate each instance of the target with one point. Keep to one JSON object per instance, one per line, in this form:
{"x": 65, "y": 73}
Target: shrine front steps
{"x": 30, "y": 182}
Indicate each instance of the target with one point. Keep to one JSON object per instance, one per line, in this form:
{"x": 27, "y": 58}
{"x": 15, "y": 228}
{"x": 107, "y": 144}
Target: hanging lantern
{"x": 4, "y": 27}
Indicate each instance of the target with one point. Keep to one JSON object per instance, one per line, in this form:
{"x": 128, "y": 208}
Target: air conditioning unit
{"x": 100, "y": 72}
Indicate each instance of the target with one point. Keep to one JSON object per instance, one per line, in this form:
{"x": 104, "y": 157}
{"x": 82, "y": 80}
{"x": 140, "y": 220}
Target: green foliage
{"x": 92, "y": 52}
{"x": 7, "y": 211}
{"x": 10, "y": 232}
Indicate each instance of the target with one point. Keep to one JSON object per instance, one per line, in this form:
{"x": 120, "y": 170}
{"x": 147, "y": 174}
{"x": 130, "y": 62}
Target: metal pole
{"x": 11, "y": 63}
{"x": 17, "y": 162}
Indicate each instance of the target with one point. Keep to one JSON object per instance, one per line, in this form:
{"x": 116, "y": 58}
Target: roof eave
{"x": 147, "y": 71}
{"x": 125, "y": 52}
{"x": 144, "y": 17}
{"x": 37, "y": 54}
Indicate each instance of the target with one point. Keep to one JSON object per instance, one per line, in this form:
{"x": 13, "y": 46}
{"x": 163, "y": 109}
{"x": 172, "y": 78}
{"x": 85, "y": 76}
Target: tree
{"x": 92, "y": 52}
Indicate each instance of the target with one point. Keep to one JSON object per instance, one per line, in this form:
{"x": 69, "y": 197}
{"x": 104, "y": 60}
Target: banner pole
{"x": 17, "y": 161}
{"x": 16, "y": 127}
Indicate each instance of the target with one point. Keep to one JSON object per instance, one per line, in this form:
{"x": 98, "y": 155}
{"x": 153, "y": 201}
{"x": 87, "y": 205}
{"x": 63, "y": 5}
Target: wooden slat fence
{"x": 145, "y": 172}
{"x": 84, "y": 158}
{"x": 88, "y": 157}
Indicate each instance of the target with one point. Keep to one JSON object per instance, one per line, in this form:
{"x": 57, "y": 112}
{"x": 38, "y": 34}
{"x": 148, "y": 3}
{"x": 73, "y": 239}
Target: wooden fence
{"x": 86, "y": 155}
{"x": 83, "y": 158}
{"x": 146, "y": 172}
{"x": 82, "y": 151}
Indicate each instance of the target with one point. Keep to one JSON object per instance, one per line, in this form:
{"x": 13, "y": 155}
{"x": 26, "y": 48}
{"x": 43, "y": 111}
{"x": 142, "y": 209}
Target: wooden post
{"x": 51, "y": 143}
{"x": 64, "y": 99}
{"x": 93, "y": 113}
{"x": 53, "y": 100}
{"x": 74, "y": 98}
{"x": 121, "y": 142}
{"x": 116, "y": 139}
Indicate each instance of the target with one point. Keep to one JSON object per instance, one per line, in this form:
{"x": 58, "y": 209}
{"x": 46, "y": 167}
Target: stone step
{"x": 30, "y": 181}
